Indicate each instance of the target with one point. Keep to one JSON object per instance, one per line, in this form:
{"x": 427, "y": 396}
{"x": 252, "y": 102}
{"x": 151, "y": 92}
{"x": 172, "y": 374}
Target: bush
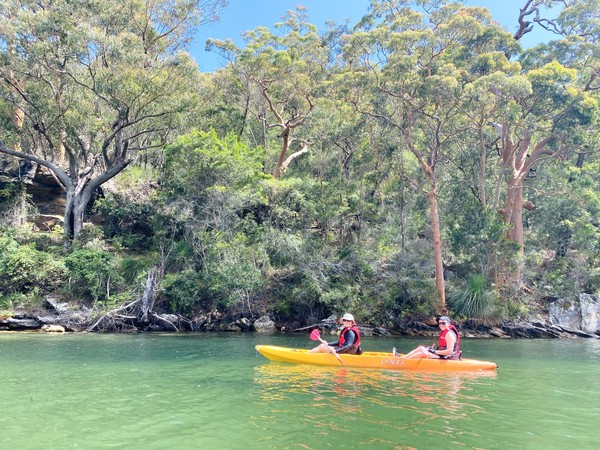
{"x": 476, "y": 300}
{"x": 130, "y": 221}
{"x": 92, "y": 273}
{"x": 26, "y": 270}
{"x": 182, "y": 291}
{"x": 15, "y": 209}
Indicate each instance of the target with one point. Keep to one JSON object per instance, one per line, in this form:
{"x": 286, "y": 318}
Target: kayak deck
{"x": 373, "y": 360}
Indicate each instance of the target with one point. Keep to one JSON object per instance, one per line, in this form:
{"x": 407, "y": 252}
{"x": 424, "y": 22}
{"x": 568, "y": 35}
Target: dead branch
{"x": 112, "y": 313}
{"x": 156, "y": 316}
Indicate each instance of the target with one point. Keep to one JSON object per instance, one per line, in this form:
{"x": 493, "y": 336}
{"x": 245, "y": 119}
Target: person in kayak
{"x": 448, "y": 343}
{"x": 348, "y": 342}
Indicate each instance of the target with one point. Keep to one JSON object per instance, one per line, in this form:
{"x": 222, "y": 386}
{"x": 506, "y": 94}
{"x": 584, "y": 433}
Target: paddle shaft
{"x": 332, "y": 351}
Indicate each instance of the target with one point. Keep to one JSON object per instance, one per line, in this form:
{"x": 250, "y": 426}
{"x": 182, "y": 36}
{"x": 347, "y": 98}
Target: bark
{"x": 79, "y": 191}
{"x": 431, "y": 193}
{"x": 285, "y": 137}
{"x": 283, "y": 166}
{"x": 513, "y": 215}
{"x": 482, "y": 166}
{"x": 518, "y": 159}
{"x": 437, "y": 247}
{"x": 149, "y": 295}
{"x": 286, "y": 126}
{"x": 525, "y": 26}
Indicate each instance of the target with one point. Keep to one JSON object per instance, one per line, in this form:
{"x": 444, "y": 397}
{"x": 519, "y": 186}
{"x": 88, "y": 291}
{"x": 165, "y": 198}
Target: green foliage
{"x": 562, "y": 277}
{"x": 9, "y": 191}
{"x": 200, "y": 163}
{"x": 216, "y": 190}
{"x": 183, "y": 292}
{"x": 476, "y": 300}
{"x": 413, "y": 101}
{"x": 93, "y": 274}
{"x": 133, "y": 223}
{"x": 15, "y": 209}
{"x": 566, "y": 240}
{"x": 407, "y": 287}
{"x": 476, "y": 236}
{"x": 132, "y": 267}
{"x": 232, "y": 274}
{"x": 24, "y": 270}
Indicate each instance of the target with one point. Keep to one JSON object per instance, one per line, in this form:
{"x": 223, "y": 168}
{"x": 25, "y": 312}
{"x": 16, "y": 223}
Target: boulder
{"x": 380, "y": 331}
{"x": 581, "y": 314}
{"x": 173, "y": 318}
{"x": 230, "y": 326}
{"x": 18, "y": 324}
{"x": 53, "y": 328}
{"x": 53, "y": 304}
{"x": 527, "y": 330}
{"x": 264, "y": 324}
{"x": 244, "y": 324}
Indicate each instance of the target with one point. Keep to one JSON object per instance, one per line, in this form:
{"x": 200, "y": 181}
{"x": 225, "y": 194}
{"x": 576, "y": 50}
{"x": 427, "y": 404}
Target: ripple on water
{"x": 340, "y": 401}
{"x": 208, "y": 391}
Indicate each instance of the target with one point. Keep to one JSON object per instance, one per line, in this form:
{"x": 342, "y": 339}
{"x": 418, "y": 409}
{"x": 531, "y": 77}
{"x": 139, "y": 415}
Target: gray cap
{"x": 443, "y": 319}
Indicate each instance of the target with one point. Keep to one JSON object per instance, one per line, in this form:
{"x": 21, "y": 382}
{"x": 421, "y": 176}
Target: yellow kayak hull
{"x": 373, "y": 360}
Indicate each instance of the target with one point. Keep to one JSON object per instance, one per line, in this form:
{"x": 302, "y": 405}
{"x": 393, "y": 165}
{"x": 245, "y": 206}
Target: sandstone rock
{"x": 264, "y": 324}
{"x": 54, "y": 304}
{"x": 581, "y": 314}
{"x": 12, "y": 323}
{"x": 229, "y": 327}
{"x": 173, "y": 318}
{"x": 380, "y": 331}
{"x": 244, "y": 324}
{"x": 53, "y": 328}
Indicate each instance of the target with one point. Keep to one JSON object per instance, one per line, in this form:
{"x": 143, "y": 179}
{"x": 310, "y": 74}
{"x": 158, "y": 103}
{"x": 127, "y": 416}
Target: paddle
{"x": 316, "y": 336}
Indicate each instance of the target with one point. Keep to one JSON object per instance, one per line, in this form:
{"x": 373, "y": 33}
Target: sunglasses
{"x": 346, "y": 320}
{"x": 442, "y": 323}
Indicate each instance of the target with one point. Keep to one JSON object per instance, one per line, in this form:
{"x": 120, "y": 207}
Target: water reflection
{"x": 333, "y": 401}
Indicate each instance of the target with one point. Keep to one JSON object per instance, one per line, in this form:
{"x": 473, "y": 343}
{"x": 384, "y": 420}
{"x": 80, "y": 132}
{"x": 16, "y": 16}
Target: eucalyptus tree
{"x": 92, "y": 83}
{"x": 287, "y": 71}
{"x": 408, "y": 65}
{"x": 544, "y": 107}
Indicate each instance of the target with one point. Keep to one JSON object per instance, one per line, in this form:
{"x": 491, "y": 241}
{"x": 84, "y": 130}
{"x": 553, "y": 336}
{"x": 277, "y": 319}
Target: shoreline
{"x": 24, "y": 322}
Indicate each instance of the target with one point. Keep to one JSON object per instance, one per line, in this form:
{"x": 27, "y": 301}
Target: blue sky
{"x": 242, "y": 15}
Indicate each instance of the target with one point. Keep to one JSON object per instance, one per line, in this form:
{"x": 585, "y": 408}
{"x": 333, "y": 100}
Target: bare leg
{"x": 419, "y": 352}
{"x": 323, "y": 348}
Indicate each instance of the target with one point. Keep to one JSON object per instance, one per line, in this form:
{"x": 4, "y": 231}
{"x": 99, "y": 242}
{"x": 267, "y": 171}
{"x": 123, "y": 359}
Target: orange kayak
{"x": 373, "y": 360}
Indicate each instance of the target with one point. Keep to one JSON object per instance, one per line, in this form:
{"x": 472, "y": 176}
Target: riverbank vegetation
{"x": 419, "y": 162}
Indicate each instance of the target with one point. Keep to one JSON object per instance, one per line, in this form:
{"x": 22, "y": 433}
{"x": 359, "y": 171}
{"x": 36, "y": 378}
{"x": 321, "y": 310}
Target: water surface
{"x": 213, "y": 391}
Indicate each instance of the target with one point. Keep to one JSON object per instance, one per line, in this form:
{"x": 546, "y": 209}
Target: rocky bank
{"x": 578, "y": 318}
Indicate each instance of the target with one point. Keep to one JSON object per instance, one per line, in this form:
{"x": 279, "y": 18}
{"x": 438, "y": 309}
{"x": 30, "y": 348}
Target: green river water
{"x": 213, "y": 391}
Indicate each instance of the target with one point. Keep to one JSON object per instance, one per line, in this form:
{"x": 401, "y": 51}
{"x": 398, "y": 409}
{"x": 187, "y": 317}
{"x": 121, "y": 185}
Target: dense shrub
{"x": 26, "y": 270}
{"x": 182, "y": 292}
{"x": 93, "y": 274}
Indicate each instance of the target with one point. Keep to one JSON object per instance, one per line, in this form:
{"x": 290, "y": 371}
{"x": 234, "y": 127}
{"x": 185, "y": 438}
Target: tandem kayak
{"x": 373, "y": 360}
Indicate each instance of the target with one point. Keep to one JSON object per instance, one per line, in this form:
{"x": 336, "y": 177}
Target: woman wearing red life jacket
{"x": 448, "y": 343}
{"x": 348, "y": 342}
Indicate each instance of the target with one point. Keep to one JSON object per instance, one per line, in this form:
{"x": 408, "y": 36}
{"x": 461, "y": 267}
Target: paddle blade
{"x": 315, "y": 335}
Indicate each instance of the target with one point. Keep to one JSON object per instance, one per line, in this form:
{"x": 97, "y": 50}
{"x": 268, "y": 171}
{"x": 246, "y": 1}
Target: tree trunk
{"x": 78, "y": 198}
{"x": 149, "y": 294}
{"x": 285, "y": 135}
{"x": 517, "y": 160}
{"x": 513, "y": 212}
{"x": 437, "y": 247}
{"x": 428, "y": 167}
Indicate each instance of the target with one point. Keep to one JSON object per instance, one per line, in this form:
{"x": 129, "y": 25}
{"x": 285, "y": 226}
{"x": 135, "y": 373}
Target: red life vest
{"x": 342, "y": 339}
{"x": 443, "y": 344}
